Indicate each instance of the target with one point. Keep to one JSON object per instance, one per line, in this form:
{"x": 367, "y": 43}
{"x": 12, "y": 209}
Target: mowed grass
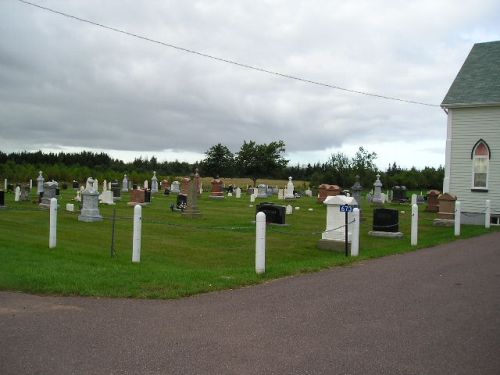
{"x": 180, "y": 256}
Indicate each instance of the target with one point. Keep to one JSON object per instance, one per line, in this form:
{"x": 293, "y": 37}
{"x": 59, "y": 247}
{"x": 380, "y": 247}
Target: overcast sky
{"x": 66, "y": 85}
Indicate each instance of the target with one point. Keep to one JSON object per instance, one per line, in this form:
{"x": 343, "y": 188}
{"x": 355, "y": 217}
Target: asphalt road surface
{"x": 432, "y": 311}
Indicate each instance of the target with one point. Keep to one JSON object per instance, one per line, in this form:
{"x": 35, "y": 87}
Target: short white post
{"x": 355, "y": 233}
{"x": 260, "y": 243}
{"x": 5, "y": 185}
{"x": 487, "y": 214}
{"x": 31, "y": 184}
{"x": 414, "y": 224}
{"x": 17, "y": 194}
{"x": 458, "y": 212}
{"x": 136, "y": 242}
{"x": 53, "y": 223}
{"x": 413, "y": 199}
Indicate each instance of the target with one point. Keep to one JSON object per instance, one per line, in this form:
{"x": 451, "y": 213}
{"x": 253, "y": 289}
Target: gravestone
{"x": 181, "y": 202}
{"x": 165, "y": 186}
{"x": 115, "y": 188}
{"x": 308, "y": 193}
{"x": 377, "y": 191}
{"x": 105, "y": 186}
{"x": 432, "y": 201}
{"x": 25, "y": 193}
{"x": 39, "y": 183}
{"x": 107, "y": 197}
{"x": 385, "y": 223}
{"x": 17, "y": 194}
{"x": 76, "y": 185}
{"x": 137, "y": 196}
{"x": 146, "y": 184}
{"x": 49, "y": 192}
{"x": 147, "y": 196}
{"x": 90, "y": 203}
{"x": 154, "y": 183}
{"x": 275, "y": 214}
{"x": 185, "y": 186}
{"x": 217, "y": 189}
{"x": 326, "y": 190}
{"x": 192, "y": 209}
{"x": 125, "y": 183}
{"x": 290, "y": 189}
{"x": 238, "y": 192}
{"x": 281, "y": 194}
{"x": 175, "y": 187}
{"x": 333, "y": 238}
{"x": 446, "y": 213}
{"x": 2, "y": 199}
{"x": 262, "y": 191}
{"x": 289, "y": 209}
{"x": 356, "y": 190}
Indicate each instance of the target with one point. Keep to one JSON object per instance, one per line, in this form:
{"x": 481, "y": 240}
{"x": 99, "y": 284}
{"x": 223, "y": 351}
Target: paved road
{"x": 433, "y": 311}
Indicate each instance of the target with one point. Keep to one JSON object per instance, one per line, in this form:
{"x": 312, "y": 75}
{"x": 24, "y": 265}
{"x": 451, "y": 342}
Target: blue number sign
{"x": 346, "y": 208}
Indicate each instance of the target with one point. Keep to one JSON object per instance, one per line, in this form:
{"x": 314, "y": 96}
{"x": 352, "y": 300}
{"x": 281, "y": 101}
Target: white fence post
{"x": 487, "y": 214}
{"x": 53, "y": 223}
{"x": 260, "y": 243}
{"x": 414, "y": 224}
{"x": 136, "y": 242}
{"x": 355, "y": 233}
{"x": 458, "y": 212}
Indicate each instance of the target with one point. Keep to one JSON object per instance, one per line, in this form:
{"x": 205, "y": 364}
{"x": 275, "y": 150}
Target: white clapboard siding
{"x": 468, "y": 126}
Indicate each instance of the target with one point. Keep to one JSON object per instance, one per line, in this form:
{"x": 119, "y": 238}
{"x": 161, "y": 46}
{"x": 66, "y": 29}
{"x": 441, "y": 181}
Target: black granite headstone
{"x": 147, "y": 196}
{"x": 2, "y": 198}
{"x": 385, "y": 220}
{"x": 181, "y": 201}
{"x": 274, "y": 214}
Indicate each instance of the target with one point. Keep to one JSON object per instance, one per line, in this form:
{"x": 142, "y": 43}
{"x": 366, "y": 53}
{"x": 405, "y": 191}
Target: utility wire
{"x": 233, "y": 62}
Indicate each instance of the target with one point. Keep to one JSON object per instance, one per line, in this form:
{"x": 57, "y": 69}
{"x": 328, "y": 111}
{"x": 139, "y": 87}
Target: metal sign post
{"x": 346, "y": 209}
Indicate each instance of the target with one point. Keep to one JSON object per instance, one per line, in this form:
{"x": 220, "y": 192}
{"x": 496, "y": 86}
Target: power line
{"x": 262, "y": 70}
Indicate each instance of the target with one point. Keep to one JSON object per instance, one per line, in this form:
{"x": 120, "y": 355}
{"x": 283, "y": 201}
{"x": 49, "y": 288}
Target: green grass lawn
{"x": 180, "y": 256}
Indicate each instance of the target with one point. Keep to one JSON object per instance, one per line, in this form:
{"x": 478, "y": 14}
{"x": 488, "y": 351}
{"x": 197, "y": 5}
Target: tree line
{"x": 252, "y": 161}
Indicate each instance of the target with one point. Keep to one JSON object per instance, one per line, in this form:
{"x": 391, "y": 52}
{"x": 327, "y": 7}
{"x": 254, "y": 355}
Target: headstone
{"x": 446, "y": 213}
{"x": 95, "y": 185}
{"x": 76, "y": 185}
{"x": 78, "y": 197}
{"x": 115, "y": 188}
{"x": 275, "y": 214}
{"x": 25, "y": 193}
{"x": 326, "y": 190}
{"x": 262, "y": 191}
{"x": 238, "y": 192}
{"x": 2, "y": 199}
{"x": 333, "y": 238}
{"x": 289, "y": 209}
{"x": 185, "y": 186}
{"x": 385, "y": 223}
{"x": 90, "y": 203}
{"x": 175, "y": 187}
{"x": 70, "y": 207}
{"x": 5, "y": 185}
{"x": 104, "y": 186}
{"x": 252, "y": 198}
{"x": 154, "y": 183}
{"x": 290, "y": 189}
{"x": 138, "y": 196}
{"x": 217, "y": 189}
{"x": 31, "y": 184}
{"x": 356, "y": 190}
{"x": 17, "y": 194}
{"x": 192, "y": 209}
{"x": 39, "y": 183}
{"x": 281, "y": 194}
{"x": 146, "y": 184}
{"x": 377, "y": 191}
{"x": 432, "y": 201}
{"x": 49, "y": 192}
{"x": 147, "y": 196}
{"x": 107, "y": 197}
{"x": 308, "y": 193}
{"x": 420, "y": 199}
{"x": 165, "y": 187}
{"x": 181, "y": 202}
{"x": 125, "y": 183}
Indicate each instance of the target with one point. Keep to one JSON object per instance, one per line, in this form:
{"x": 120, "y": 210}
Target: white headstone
{"x": 125, "y": 183}
{"x": 238, "y": 192}
{"x": 146, "y": 184}
{"x": 70, "y": 207}
{"x": 229, "y": 194}
{"x": 107, "y": 197}
{"x": 252, "y": 198}
{"x": 309, "y": 193}
{"x": 90, "y": 203}
{"x": 78, "y": 197}
{"x": 39, "y": 183}
{"x": 96, "y": 185}
{"x": 154, "y": 183}
{"x": 289, "y": 209}
{"x": 281, "y": 193}
{"x": 175, "y": 187}
{"x": 289, "y": 189}
{"x": 17, "y": 194}
{"x": 104, "y": 186}
{"x": 377, "y": 191}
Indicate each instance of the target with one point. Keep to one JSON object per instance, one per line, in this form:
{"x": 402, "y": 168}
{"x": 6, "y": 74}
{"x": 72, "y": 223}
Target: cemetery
{"x": 209, "y": 244}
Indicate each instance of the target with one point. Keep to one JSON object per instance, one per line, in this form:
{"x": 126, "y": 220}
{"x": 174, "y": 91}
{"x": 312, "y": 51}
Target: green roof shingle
{"x": 478, "y": 81}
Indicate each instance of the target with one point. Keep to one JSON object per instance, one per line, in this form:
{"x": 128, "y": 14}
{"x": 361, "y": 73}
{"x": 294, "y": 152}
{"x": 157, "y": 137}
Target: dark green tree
{"x": 257, "y": 161}
{"x": 219, "y": 161}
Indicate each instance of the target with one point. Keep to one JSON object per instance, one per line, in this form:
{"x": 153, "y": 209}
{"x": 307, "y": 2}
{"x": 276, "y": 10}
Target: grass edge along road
{"x": 180, "y": 256}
